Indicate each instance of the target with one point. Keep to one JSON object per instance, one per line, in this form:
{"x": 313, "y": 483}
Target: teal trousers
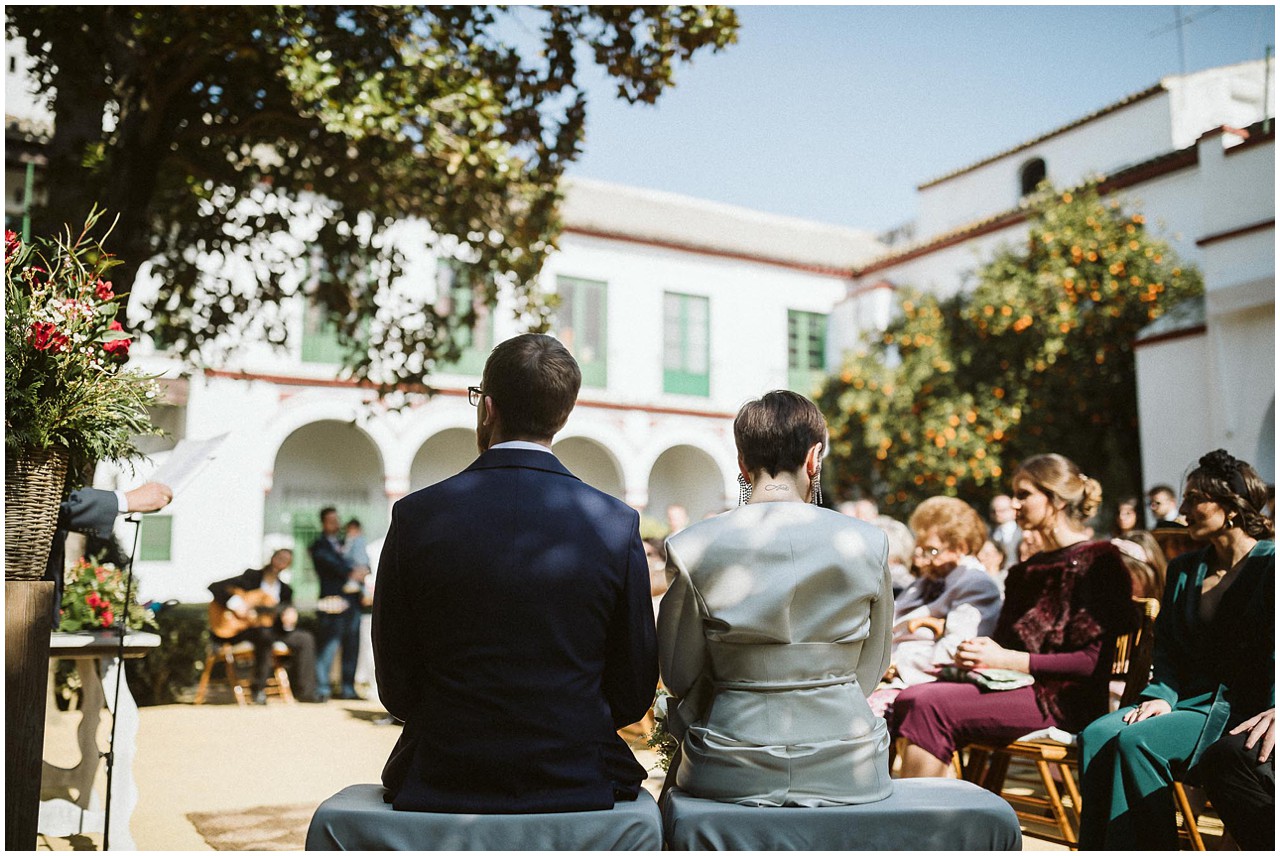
{"x": 1126, "y": 782}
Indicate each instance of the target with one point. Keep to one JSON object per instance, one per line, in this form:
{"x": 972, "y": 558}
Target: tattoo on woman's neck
{"x": 776, "y": 487}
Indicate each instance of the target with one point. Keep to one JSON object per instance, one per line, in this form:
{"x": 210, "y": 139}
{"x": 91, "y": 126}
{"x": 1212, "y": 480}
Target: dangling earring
{"x": 815, "y": 493}
{"x": 744, "y": 490}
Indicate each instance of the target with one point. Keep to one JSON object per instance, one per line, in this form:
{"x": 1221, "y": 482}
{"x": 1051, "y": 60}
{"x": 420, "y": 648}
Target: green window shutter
{"x": 458, "y": 280}
{"x": 320, "y": 338}
{"x": 305, "y": 528}
{"x": 155, "y": 541}
{"x": 806, "y": 350}
{"x": 582, "y": 325}
{"x": 686, "y": 344}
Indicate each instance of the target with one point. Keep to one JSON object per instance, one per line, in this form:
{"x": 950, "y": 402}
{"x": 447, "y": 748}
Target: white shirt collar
{"x": 522, "y": 444}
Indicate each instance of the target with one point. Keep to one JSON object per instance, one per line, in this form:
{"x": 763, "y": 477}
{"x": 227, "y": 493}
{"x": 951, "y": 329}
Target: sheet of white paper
{"x": 185, "y": 461}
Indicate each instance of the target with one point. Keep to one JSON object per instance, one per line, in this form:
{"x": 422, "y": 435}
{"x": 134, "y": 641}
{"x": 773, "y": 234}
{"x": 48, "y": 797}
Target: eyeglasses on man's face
{"x": 473, "y": 395}
{"x": 931, "y": 552}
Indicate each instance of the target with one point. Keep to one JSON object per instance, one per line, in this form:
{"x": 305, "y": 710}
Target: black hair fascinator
{"x": 1223, "y": 466}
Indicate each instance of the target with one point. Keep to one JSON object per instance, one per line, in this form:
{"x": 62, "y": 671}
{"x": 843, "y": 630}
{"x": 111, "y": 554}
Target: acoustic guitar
{"x": 263, "y": 611}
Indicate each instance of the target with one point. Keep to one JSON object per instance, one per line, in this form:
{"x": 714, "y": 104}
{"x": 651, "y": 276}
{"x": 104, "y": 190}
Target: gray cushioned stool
{"x": 356, "y": 818}
{"x": 921, "y": 814}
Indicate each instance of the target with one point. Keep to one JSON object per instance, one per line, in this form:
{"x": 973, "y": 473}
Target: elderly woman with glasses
{"x": 952, "y": 600}
{"x": 774, "y": 627}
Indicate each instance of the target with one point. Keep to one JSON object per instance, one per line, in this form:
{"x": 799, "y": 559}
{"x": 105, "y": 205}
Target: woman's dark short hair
{"x": 533, "y": 381}
{"x": 1237, "y": 487}
{"x": 775, "y": 432}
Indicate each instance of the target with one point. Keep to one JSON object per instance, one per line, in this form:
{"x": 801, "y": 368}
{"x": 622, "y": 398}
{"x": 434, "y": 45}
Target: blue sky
{"x": 836, "y": 113}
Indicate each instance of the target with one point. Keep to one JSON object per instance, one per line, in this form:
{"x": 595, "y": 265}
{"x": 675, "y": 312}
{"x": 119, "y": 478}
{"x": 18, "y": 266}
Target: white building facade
{"x": 1194, "y": 153}
{"x": 678, "y": 311}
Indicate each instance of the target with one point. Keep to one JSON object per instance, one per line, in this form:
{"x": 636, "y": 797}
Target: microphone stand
{"x": 136, "y": 519}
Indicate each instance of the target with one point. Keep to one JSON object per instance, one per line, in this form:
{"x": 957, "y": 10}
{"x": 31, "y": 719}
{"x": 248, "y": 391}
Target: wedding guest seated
{"x": 953, "y": 587}
{"x": 991, "y": 558}
{"x": 1153, "y": 555}
{"x": 1147, "y": 581}
{"x": 1239, "y": 775}
{"x": 775, "y": 625}
{"x": 902, "y": 545}
{"x": 1063, "y": 609}
{"x": 513, "y": 627}
{"x": 257, "y": 607}
{"x": 1214, "y": 666}
{"x": 1126, "y": 519}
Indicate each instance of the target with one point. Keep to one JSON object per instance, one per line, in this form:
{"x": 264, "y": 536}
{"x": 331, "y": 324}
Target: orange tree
{"x": 1037, "y": 357}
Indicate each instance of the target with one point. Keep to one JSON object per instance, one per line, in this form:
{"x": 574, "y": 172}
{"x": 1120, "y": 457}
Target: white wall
{"x": 1167, "y": 121}
{"x": 1173, "y": 376}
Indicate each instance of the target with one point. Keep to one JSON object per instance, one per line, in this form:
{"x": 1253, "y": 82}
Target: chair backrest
{"x": 1135, "y": 650}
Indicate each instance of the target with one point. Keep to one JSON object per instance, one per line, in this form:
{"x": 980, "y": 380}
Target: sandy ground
{"x": 219, "y": 757}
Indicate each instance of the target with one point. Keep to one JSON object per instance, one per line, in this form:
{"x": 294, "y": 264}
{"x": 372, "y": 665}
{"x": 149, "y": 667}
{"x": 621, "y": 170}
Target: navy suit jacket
{"x": 89, "y": 511}
{"x": 333, "y": 569}
{"x": 513, "y": 633}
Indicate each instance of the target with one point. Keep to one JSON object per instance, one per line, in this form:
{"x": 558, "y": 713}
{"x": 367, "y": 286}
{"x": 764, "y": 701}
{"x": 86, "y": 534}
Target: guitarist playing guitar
{"x": 257, "y": 606}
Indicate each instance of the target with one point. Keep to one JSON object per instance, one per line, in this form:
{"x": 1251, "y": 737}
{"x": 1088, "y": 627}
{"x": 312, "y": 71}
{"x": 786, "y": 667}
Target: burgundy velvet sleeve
{"x": 1072, "y": 664}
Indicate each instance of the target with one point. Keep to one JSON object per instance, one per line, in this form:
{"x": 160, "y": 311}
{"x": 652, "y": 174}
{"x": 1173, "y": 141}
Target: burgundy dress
{"x": 1065, "y": 607}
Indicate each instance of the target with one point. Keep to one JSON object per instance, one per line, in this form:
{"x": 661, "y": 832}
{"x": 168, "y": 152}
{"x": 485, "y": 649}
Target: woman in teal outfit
{"x": 1214, "y": 664}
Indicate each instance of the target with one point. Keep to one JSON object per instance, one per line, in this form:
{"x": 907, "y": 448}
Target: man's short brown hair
{"x": 533, "y": 381}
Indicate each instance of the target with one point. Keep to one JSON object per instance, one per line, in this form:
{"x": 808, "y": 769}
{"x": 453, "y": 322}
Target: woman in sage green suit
{"x": 1214, "y": 668}
{"x": 775, "y": 626}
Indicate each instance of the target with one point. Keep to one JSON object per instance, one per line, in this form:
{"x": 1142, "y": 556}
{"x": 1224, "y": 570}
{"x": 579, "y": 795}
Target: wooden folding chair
{"x": 988, "y": 763}
{"x": 237, "y": 664}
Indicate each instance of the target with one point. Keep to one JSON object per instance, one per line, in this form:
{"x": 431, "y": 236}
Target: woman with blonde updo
{"x": 1062, "y": 611}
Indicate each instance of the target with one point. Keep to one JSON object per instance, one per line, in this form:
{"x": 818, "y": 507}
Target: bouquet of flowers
{"x": 92, "y": 596}
{"x": 660, "y": 739}
{"x": 65, "y": 385}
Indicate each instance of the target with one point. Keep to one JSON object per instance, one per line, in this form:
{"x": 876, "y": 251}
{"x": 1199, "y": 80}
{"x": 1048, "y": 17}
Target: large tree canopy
{"x": 252, "y": 152}
{"x": 1038, "y": 357}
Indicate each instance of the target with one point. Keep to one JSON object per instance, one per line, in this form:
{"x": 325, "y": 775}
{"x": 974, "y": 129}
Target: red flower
{"x": 117, "y": 347}
{"x": 93, "y": 600}
{"x": 11, "y": 244}
{"x": 44, "y": 336}
{"x": 100, "y": 573}
{"x": 108, "y": 618}
{"x": 103, "y": 290}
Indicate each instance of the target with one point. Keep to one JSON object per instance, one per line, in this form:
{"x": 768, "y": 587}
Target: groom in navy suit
{"x": 512, "y": 625}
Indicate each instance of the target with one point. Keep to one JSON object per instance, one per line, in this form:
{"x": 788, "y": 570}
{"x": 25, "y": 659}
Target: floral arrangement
{"x": 65, "y": 385}
{"x": 660, "y": 739}
{"x": 92, "y": 596}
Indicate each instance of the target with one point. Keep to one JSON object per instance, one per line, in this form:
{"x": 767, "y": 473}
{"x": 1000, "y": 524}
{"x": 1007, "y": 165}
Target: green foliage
{"x": 92, "y": 596}
{"x": 64, "y": 384}
{"x": 286, "y": 144}
{"x": 660, "y": 739}
{"x": 166, "y": 674}
{"x": 1038, "y": 357}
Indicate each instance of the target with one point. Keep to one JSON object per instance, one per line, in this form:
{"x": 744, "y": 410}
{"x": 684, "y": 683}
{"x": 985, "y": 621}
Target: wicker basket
{"x": 32, "y": 492}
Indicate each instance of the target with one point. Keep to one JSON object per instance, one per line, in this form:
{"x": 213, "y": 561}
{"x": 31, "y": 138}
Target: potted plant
{"x": 69, "y": 401}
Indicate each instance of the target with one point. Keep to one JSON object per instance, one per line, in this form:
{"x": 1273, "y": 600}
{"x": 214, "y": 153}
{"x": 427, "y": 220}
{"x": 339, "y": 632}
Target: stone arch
{"x": 445, "y": 453}
{"x": 327, "y": 462}
{"x": 689, "y": 476}
{"x": 593, "y": 462}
